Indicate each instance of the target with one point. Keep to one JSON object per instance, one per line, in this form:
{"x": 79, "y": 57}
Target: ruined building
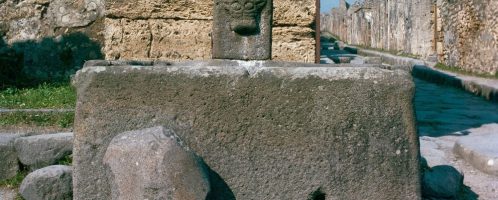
{"x": 463, "y": 34}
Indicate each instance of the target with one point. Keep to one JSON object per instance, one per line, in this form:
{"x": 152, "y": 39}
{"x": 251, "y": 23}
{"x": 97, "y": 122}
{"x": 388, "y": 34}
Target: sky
{"x": 326, "y": 5}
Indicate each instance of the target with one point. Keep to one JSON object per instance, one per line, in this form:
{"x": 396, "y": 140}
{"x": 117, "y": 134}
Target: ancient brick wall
{"x": 463, "y": 34}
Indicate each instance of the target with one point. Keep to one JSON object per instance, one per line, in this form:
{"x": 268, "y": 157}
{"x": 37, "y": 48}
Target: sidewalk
{"x": 487, "y": 88}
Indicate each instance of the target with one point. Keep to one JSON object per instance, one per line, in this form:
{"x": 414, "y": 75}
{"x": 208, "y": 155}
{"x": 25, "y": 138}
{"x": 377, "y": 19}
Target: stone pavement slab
{"x": 480, "y": 148}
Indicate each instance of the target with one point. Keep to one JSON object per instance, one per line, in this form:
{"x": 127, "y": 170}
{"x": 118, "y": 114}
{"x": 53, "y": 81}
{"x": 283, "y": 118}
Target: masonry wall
{"x": 148, "y": 29}
{"x": 470, "y": 34}
{"x": 463, "y": 34}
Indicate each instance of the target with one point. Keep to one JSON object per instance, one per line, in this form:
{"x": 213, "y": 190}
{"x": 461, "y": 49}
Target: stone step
{"x": 480, "y": 148}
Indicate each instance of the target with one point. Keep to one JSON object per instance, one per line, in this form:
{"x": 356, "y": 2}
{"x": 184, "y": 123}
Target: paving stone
{"x": 480, "y": 148}
{"x": 432, "y": 152}
{"x": 49, "y": 183}
{"x": 8, "y": 156}
{"x": 43, "y": 150}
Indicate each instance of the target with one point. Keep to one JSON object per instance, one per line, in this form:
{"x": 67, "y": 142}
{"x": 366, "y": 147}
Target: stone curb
{"x": 479, "y": 148}
{"x": 487, "y": 88}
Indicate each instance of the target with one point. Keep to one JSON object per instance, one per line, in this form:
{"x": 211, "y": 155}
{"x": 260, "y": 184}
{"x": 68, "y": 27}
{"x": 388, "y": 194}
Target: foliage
{"x": 67, "y": 160}
{"x": 42, "y": 96}
{"x": 60, "y": 119}
{"x": 16, "y": 181}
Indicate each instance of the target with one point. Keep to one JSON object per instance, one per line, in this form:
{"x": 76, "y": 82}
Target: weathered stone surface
{"x": 242, "y": 29}
{"x": 49, "y": 183}
{"x": 8, "y": 156}
{"x": 162, "y": 168}
{"x": 43, "y": 150}
{"x": 287, "y": 42}
{"x": 469, "y": 35}
{"x": 50, "y": 39}
{"x": 271, "y": 130}
{"x": 442, "y": 181}
{"x": 7, "y": 194}
{"x": 65, "y": 13}
{"x": 373, "y": 60}
{"x": 294, "y": 12}
{"x": 38, "y": 19}
{"x": 480, "y": 148}
{"x": 157, "y": 39}
{"x": 159, "y": 9}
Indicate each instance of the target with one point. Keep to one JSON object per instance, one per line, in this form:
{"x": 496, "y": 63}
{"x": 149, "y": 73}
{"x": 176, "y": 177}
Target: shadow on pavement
{"x": 443, "y": 110}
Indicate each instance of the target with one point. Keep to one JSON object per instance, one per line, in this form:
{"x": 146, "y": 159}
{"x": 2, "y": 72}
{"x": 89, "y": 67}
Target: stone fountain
{"x": 243, "y": 127}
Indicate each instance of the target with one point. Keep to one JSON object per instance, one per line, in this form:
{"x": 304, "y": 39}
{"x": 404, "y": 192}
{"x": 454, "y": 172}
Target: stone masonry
{"x": 181, "y": 30}
{"x": 129, "y": 29}
{"x": 458, "y": 33}
{"x": 270, "y": 130}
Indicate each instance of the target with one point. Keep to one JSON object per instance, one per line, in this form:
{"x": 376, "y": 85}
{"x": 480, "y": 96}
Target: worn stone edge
{"x": 476, "y": 159}
{"x": 291, "y": 70}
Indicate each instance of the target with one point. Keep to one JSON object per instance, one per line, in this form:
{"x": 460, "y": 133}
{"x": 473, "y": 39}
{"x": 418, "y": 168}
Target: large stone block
{"x": 49, "y": 183}
{"x": 43, "y": 150}
{"x": 294, "y": 12}
{"x": 158, "y": 39}
{"x": 162, "y": 168}
{"x": 271, "y": 130}
{"x": 159, "y": 9}
{"x": 295, "y": 44}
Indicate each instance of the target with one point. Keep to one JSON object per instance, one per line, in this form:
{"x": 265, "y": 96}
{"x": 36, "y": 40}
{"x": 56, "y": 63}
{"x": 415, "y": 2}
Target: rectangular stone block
{"x": 295, "y": 44}
{"x": 165, "y": 39}
{"x": 294, "y": 12}
{"x": 270, "y": 130}
{"x": 159, "y": 9}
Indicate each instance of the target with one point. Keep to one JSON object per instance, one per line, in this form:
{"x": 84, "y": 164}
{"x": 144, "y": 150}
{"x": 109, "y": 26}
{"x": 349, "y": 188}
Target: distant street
{"x": 446, "y": 116}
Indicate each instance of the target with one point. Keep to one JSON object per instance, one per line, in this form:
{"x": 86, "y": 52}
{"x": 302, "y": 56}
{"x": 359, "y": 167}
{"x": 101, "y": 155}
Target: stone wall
{"x": 463, "y": 34}
{"x": 470, "y": 34}
{"x": 52, "y": 38}
{"x": 181, "y": 30}
{"x": 48, "y": 39}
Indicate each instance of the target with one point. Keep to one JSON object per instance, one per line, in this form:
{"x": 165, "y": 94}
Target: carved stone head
{"x": 242, "y": 29}
{"x": 244, "y": 15}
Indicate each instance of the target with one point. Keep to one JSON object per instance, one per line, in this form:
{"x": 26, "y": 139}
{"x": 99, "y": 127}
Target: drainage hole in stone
{"x": 317, "y": 195}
